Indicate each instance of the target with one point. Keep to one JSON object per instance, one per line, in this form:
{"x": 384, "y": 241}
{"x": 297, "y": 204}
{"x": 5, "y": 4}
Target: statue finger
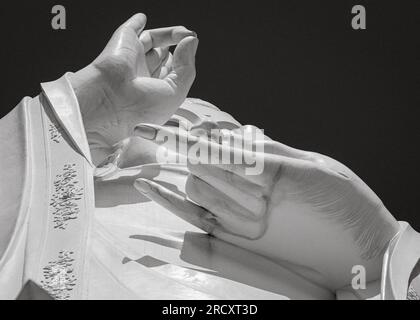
{"x": 249, "y": 195}
{"x": 178, "y": 205}
{"x": 156, "y": 57}
{"x": 164, "y": 37}
{"x": 234, "y": 217}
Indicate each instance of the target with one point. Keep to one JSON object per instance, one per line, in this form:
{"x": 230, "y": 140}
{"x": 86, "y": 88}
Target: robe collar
{"x": 400, "y": 260}
{"x": 65, "y": 106}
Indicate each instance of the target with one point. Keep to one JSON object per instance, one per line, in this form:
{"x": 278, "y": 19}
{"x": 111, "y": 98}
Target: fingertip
{"x": 143, "y": 185}
{"x": 180, "y": 32}
{"x": 146, "y": 131}
{"x": 194, "y": 43}
{"x": 141, "y": 16}
{"x": 186, "y": 50}
{"x": 184, "y": 62}
{"x": 137, "y": 22}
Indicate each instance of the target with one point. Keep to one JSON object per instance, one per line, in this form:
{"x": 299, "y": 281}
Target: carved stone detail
{"x": 66, "y": 196}
{"x": 59, "y": 279}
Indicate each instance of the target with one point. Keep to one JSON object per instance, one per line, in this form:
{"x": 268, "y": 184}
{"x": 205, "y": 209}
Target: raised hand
{"x": 135, "y": 79}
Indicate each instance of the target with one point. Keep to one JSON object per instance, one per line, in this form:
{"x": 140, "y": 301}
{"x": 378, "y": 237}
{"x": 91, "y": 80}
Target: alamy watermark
{"x": 358, "y": 22}
{"x": 215, "y": 146}
{"x": 358, "y": 281}
{"x": 58, "y": 21}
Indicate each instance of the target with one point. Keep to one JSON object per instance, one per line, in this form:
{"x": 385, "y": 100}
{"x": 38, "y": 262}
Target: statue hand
{"x": 301, "y": 207}
{"x": 135, "y": 79}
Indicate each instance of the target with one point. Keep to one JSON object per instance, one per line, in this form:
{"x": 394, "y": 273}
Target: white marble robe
{"x": 78, "y": 236}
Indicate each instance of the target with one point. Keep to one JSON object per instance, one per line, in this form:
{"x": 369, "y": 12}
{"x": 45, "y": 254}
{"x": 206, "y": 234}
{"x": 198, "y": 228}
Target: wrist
{"x": 89, "y": 87}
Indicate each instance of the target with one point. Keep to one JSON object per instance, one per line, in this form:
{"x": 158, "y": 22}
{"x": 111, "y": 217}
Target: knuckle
{"x": 314, "y": 157}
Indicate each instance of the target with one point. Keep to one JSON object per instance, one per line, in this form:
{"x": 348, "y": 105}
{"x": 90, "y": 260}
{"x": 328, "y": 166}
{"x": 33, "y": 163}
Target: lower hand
{"x": 303, "y": 207}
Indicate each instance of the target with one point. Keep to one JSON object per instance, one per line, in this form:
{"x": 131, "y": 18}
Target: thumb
{"x": 183, "y": 64}
{"x": 136, "y": 22}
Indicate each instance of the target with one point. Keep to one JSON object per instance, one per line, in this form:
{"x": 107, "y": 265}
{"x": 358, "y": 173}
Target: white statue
{"x": 88, "y": 211}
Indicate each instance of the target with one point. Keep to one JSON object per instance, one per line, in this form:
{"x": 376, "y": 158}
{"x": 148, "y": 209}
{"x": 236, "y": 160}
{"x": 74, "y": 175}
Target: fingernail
{"x": 188, "y": 32}
{"x": 142, "y": 186}
{"x": 145, "y": 131}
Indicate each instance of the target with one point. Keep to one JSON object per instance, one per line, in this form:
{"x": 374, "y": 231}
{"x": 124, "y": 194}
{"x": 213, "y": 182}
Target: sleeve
{"x": 401, "y": 266}
{"x": 46, "y": 192}
{"x": 14, "y": 175}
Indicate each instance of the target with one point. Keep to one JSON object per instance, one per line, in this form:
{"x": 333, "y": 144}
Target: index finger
{"x": 177, "y": 204}
{"x": 170, "y": 137}
{"x": 164, "y": 37}
{"x": 257, "y": 167}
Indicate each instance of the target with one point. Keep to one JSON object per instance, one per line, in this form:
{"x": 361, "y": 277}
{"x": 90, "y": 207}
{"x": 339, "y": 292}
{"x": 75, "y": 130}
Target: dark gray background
{"x": 295, "y": 68}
